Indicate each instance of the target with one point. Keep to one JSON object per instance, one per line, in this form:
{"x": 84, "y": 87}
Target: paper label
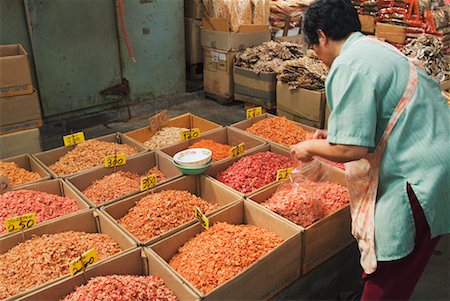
{"x": 148, "y": 182}
{"x": 214, "y": 56}
{"x": 115, "y": 160}
{"x": 222, "y": 57}
{"x": 237, "y": 150}
{"x": 190, "y": 134}
{"x": 87, "y": 258}
{"x": 283, "y": 173}
{"x": 204, "y": 221}
{"x": 19, "y": 223}
{"x": 254, "y": 112}
{"x": 75, "y": 138}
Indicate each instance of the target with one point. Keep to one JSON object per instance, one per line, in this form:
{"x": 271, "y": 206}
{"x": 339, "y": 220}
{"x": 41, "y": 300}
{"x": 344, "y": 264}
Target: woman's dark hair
{"x": 336, "y": 18}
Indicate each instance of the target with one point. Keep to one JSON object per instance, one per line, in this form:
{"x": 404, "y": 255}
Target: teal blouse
{"x": 363, "y": 87}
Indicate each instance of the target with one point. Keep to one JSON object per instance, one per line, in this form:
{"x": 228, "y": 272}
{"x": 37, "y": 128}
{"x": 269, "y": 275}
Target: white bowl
{"x": 193, "y": 157}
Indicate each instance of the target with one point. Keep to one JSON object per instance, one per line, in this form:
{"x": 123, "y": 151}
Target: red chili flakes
{"x": 160, "y": 212}
{"x": 219, "y": 151}
{"x": 122, "y": 287}
{"x": 118, "y": 184}
{"x": 44, "y": 258}
{"x": 307, "y": 202}
{"x": 46, "y": 206}
{"x": 279, "y": 130}
{"x": 221, "y": 252}
{"x": 17, "y": 176}
{"x": 253, "y": 172}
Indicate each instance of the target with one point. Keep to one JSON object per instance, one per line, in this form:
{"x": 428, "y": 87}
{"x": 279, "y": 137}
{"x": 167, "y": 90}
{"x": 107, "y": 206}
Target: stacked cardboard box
{"x": 20, "y": 113}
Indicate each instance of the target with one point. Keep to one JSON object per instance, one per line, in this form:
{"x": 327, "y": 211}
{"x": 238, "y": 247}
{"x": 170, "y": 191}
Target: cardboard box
{"x": 21, "y": 126}
{"x": 219, "y": 167}
{"x": 304, "y": 103}
{"x": 193, "y": 9}
{"x": 391, "y": 33}
{"x": 326, "y": 237}
{"x": 20, "y": 108}
{"x": 244, "y": 124}
{"x": 327, "y": 116}
{"x": 218, "y": 72}
{"x": 216, "y": 34}
{"x": 29, "y": 163}
{"x": 298, "y": 119}
{"x": 140, "y": 164}
{"x": 49, "y": 157}
{"x": 259, "y": 89}
{"x": 201, "y": 186}
{"x": 226, "y": 135}
{"x": 90, "y": 221}
{"x": 367, "y": 24}
{"x": 133, "y": 262}
{"x": 445, "y": 85}
{"x": 15, "y": 77}
{"x": 187, "y": 120}
{"x": 264, "y": 278}
{"x": 27, "y": 141}
{"x": 193, "y": 47}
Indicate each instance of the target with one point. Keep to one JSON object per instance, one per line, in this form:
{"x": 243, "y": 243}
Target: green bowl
{"x": 193, "y": 170}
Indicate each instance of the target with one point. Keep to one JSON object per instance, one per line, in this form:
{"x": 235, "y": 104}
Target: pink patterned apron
{"x": 362, "y": 177}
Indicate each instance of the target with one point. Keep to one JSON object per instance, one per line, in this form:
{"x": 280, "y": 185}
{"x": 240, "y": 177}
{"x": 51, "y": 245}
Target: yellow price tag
{"x": 115, "y": 160}
{"x": 81, "y": 263}
{"x": 202, "y": 218}
{"x": 19, "y": 223}
{"x": 237, "y": 150}
{"x": 254, "y": 112}
{"x": 283, "y": 173}
{"x": 148, "y": 182}
{"x": 75, "y": 138}
{"x": 190, "y": 134}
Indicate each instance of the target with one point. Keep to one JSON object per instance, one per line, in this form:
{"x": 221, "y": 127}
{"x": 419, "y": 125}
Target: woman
{"x": 391, "y": 124}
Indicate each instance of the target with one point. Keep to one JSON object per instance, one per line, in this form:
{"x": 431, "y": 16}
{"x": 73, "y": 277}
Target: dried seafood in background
{"x": 221, "y": 252}
{"x": 88, "y": 154}
{"x": 17, "y": 175}
{"x": 219, "y": 151}
{"x": 44, "y": 258}
{"x": 128, "y": 287}
{"x": 261, "y": 12}
{"x": 307, "y": 72}
{"x": 428, "y": 50}
{"x": 279, "y": 130}
{"x": 164, "y": 137}
{"x": 280, "y": 9}
{"x": 268, "y": 57}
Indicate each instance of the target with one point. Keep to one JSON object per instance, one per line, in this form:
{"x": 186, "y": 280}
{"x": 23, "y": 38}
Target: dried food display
{"x": 44, "y": 258}
{"x": 278, "y": 129}
{"x": 160, "y": 212}
{"x": 219, "y": 151}
{"x": 307, "y": 72}
{"x": 307, "y": 202}
{"x": 17, "y": 175}
{"x": 221, "y": 252}
{"x": 88, "y": 154}
{"x": 164, "y": 137}
{"x": 254, "y": 171}
{"x": 268, "y": 56}
{"x": 123, "y": 287}
{"x": 280, "y": 9}
{"x": 46, "y": 206}
{"x": 428, "y": 50}
{"x": 118, "y": 184}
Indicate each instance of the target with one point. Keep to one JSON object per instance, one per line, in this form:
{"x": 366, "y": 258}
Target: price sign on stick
{"x": 254, "y": 112}
{"x": 158, "y": 120}
{"x": 237, "y": 150}
{"x": 74, "y": 138}
{"x": 283, "y": 173}
{"x": 115, "y": 160}
{"x": 148, "y": 182}
{"x": 204, "y": 221}
{"x": 190, "y": 134}
{"x": 20, "y": 223}
{"x": 81, "y": 263}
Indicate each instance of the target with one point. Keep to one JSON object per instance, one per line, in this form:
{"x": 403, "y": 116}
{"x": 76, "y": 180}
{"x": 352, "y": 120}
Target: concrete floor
{"x": 340, "y": 273}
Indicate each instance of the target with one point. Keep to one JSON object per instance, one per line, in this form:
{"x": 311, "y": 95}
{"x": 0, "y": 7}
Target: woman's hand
{"x": 300, "y": 152}
{"x": 320, "y": 134}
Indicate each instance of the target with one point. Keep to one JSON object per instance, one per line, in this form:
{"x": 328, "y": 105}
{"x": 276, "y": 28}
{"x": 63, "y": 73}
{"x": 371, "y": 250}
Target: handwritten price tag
{"x": 202, "y": 218}
{"x": 190, "y": 134}
{"x": 75, "y": 138}
{"x": 19, "y": 223}
{"x": 254, "y": 112}
{"x": 115, "y": 160}
{"x": 86, "y": 259}
{"x": 283, "y": 173}
{"x": 158, "y": 120}
{"x": 148, "y": 182}
{"x": 237, "y": 150}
